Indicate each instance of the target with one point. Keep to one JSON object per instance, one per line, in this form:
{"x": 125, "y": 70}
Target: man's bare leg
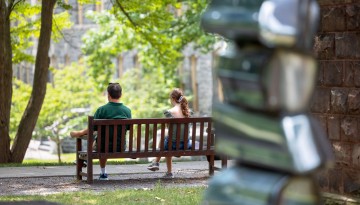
{"x": 76, "y": 134}
{"x": 169, "y": 164}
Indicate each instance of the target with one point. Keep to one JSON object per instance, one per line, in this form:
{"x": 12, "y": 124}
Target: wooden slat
{"x": 170, "y": 137}
{"x": 106, "y": 138}
{"x": 193, "y": 137}
{"x": 115, "y": 138}
{"x": 127, "y": 154}
{"x": 209, "y": 136}
{"x": 122, "y": 147}
{"x": 131, "y": 138}
{"x": 154, "y": 137}
{"x": 150, "y": 120}
{"x": 138, "y": 138}
{"x": 178, "y": 132}
{"x": 162, "y": 137}
{"x": 146, "y": 137}
{"x": 201, "y": 144}
{"x": 186, "y": 136}
{"x": 98, "y": 141}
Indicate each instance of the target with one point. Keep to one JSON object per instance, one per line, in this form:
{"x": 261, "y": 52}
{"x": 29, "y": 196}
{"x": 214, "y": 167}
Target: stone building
{"x": 336, "y": 101}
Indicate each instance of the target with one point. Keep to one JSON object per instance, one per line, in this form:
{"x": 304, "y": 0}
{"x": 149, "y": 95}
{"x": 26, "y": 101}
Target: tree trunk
{"x": 31, "y": 114}
{"x": 5, "y": 80}
{"x": 58, "y": 143}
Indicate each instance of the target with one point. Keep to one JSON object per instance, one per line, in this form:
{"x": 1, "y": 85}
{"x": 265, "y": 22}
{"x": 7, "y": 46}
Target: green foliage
{"x": 151, "y": 27}
{"x": 26, "y": 27}
{"x": 71, "y": 89}
{"x": 145, "y": 95}
{"x": 21, "y": 95}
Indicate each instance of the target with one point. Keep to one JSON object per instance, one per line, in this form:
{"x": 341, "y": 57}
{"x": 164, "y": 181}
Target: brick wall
{"x": 336, "y": 101}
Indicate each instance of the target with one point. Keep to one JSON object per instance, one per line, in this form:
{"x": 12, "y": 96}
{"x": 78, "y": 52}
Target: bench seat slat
{"x": 152, "y": 154}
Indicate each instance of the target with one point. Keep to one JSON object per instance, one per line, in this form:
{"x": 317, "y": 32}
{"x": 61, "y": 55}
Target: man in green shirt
{"x": 112, "y": 110}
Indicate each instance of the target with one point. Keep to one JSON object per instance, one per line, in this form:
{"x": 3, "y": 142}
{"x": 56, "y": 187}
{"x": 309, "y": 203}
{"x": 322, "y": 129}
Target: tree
{"x": 67, "y": 104}
{"x": 152, "y": 27}
{"x": 30, "y": 116}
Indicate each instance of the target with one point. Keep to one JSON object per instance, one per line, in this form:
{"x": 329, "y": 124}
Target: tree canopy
{"x": 158, "y": 30}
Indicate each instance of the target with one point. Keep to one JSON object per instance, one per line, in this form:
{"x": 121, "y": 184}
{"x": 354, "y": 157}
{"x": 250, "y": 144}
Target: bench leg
{"x": 90, "y": 178}
{"x": 224, "y": 162}
{"x": 78, "y": 164}
{"x": 78, "y": 169}
{"x": 211, "y": 164}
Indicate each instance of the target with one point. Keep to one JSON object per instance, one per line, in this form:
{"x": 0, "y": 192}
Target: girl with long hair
{"x": 180, "y": 109}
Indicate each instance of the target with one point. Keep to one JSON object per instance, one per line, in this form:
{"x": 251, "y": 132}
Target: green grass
{"x": 66, "y": 159}
{"x": 158, "y": 195}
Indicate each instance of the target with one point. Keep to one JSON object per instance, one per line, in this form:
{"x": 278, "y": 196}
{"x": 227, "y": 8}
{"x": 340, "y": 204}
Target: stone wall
{"x": 336, "y": 101}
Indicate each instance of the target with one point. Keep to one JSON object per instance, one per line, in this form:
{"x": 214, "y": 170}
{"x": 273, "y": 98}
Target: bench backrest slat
{"x": 186, "y": 135}
{"x": 98, "y": 141}
{"x": 209, "y": 136}
{"x": 193, "y": 136}
{"x": 107, "y": 138}
{"x": 154, "y": 137}
{"x": 123, "y": 135}
{"x": 138, "y": 138}
{"x": 178, "y": 129}
{"x": 131, "y": 138}
{"x": 162, "y": 137}
{"x": 201, "y": 141}
{"x": 146, "y": 137}
{"x": 170, "y": 138}
{"x": 115, "y": 138}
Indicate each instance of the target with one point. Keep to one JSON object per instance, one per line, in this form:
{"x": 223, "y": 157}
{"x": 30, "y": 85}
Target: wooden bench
{"x": 142, "y": 140}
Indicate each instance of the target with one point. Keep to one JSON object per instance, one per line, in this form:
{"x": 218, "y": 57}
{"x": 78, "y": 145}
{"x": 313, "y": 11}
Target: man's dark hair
{"x": 114, "y": 90}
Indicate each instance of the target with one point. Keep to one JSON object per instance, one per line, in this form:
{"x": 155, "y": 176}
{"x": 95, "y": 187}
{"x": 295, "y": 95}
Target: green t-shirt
{"x": 112, "y": 110}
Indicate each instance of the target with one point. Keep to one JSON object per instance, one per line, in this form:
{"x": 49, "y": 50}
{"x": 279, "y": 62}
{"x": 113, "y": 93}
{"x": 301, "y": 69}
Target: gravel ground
{"x": 52, "y": 185}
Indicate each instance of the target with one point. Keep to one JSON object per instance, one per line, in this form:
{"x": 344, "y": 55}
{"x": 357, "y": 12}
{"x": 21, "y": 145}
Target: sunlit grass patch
{"x": 158, "y": 195}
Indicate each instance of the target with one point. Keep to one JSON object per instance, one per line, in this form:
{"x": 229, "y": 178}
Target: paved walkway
{"x": 140, "y": 171}
{"x": 41, "y": 171}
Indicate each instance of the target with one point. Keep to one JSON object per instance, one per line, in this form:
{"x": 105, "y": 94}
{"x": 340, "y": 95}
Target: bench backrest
{"x": 148, "y": 135}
